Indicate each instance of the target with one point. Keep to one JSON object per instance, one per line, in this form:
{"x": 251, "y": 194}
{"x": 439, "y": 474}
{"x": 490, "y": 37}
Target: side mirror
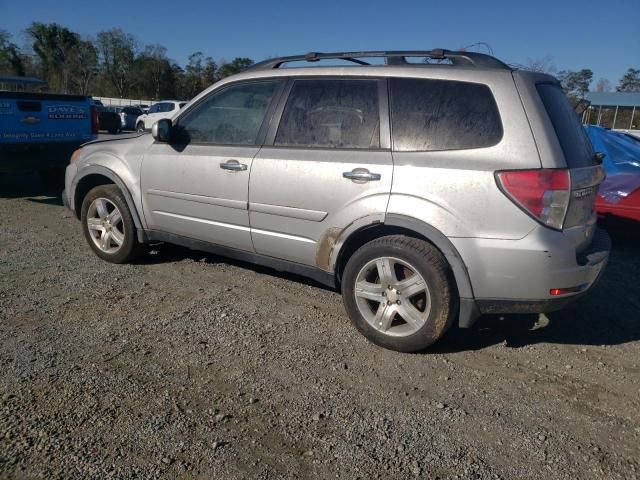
{"x": 161, "y": 130}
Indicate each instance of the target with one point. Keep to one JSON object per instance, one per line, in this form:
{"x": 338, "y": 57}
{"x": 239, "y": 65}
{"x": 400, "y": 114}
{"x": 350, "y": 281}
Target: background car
{"x": 142, "y": 106}
{"x": 109, "y": 119}
{"x": 164, "y": 109}
{"x": 619, "y": 194}
{"x": 129, "y": 117}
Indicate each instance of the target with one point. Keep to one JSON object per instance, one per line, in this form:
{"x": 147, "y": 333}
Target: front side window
{"x": 154, "y": 108}
{"x": 429, "y": 115}
{"x": 231, "y": 116}
{"x": 331, "y": 114}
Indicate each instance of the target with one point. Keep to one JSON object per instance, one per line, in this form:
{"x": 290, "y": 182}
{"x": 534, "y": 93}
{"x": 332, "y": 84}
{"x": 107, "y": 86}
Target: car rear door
{"x": 197, "y": 185}
{"x": 325, "y": 164}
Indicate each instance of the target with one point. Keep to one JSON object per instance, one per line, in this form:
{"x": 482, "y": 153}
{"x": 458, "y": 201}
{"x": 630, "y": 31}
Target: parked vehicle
{"x": 426, "y": 193}
{"x": 129, "y": 117}
{"x": 39, "y": 131}
{"x": 164, "y": 109}
{"x": 109, "y": 119}
{"x": 619, "y": 194}
{"x": 143, "y": 107}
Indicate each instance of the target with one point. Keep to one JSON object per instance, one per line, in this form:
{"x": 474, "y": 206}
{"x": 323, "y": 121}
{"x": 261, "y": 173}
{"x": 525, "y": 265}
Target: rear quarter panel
{"x": 455, "y": 191}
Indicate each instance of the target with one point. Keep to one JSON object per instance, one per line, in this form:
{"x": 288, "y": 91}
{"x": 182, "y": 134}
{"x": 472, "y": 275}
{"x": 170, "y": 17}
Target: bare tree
{"x": 117, "y": 52}
{"x": 541, "y": 65}
{"x": 603, "y": 85}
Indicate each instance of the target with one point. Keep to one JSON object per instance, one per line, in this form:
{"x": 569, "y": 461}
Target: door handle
{"x": 233, "y": 165}
{"x": 361, "y": 175}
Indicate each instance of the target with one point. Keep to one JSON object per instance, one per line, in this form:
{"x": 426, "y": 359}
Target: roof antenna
{"x": 479, "y": 44}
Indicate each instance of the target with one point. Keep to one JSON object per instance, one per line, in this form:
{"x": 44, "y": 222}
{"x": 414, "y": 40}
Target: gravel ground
{"x": 186, "y": 365}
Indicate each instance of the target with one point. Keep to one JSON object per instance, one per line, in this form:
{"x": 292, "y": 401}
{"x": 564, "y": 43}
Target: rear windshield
{"x": 573, "y": 139}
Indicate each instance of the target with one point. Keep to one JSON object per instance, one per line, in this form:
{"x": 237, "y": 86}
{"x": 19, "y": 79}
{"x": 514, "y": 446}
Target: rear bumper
{"x": 517, "y": 276}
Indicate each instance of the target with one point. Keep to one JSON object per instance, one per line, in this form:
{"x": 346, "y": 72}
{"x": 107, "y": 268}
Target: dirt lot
{"x": 187, "y": 366}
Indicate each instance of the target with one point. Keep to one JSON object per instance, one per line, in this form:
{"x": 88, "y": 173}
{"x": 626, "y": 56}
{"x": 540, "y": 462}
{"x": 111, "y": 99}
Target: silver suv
{"x": 428, "y": 186}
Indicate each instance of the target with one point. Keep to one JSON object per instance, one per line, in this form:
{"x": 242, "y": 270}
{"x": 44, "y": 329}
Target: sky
{"x": 603, "y": 36}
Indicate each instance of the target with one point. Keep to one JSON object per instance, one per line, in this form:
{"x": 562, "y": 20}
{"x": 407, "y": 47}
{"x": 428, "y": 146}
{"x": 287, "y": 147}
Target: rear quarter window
{"x": 430, "y": 115}
{"x": 573, "y": 138}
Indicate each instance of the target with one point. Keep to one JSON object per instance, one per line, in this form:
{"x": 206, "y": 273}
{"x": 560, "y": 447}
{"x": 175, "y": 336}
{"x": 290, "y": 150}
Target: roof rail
{"x": 393, "y": 57}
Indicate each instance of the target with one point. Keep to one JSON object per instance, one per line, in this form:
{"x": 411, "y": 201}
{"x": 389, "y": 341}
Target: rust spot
{"x": 325, "y": 247}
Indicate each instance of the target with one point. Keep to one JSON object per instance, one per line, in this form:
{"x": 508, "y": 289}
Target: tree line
{"x": 576, "y": 83}
{"x": 113, "y": 64}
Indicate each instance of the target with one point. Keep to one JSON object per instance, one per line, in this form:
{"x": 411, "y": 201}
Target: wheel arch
{"x": 399, "y": 224}
{"x": 94, "y": 176}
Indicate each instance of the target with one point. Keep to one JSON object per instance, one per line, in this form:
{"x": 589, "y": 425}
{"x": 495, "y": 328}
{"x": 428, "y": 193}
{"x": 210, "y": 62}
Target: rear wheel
{"x": 399, "y": 293}
{"x": 108, "y": 225}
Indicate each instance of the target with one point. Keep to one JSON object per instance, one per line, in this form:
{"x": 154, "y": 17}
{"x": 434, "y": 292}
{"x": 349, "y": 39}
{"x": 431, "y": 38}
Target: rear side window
{"x": 428, "y": 115}
{"x": 331, "y": 114}
{"x": 572, "y": 136}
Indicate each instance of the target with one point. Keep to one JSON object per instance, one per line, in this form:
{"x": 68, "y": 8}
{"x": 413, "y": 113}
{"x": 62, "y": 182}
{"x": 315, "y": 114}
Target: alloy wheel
{"x": 105, "y": 225}
{"x": 392, "y": 296}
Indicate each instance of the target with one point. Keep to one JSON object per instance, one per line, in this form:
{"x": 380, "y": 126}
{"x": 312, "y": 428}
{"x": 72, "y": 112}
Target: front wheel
{"x": 140, "y": 127}
{"x": 399, "y": 293}
{"x": 108, "y": 225}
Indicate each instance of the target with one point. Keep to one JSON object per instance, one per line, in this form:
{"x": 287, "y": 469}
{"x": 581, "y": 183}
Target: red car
{"x": 619, "y": 194}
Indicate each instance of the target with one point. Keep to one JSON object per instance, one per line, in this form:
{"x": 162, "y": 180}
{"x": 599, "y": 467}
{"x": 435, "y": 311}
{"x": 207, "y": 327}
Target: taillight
{"x": 542, "y": 193}
{"x": 95, "y": 120}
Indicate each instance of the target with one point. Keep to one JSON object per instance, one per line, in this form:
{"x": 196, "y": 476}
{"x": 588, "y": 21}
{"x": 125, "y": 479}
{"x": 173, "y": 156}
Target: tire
{"x": 429, "y": 301}
{"x": 113, "y": 131}
{"x": 140, "y": 127}
{"x": 122, "y": 245}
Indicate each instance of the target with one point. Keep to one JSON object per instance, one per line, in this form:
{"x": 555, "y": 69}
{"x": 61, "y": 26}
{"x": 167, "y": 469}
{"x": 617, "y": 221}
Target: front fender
{"x": 115, "y": 178}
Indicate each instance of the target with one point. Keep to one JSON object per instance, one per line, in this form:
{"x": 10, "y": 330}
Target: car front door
{"x": 326, "y": 164}
{"x": 197, "y": 185}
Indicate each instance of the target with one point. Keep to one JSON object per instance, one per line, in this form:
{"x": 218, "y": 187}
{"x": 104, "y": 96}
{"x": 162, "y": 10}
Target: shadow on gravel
{"x": 608, "y": 315}
{"x": 18, "y": 185}
{"x": 167, "y": 253}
